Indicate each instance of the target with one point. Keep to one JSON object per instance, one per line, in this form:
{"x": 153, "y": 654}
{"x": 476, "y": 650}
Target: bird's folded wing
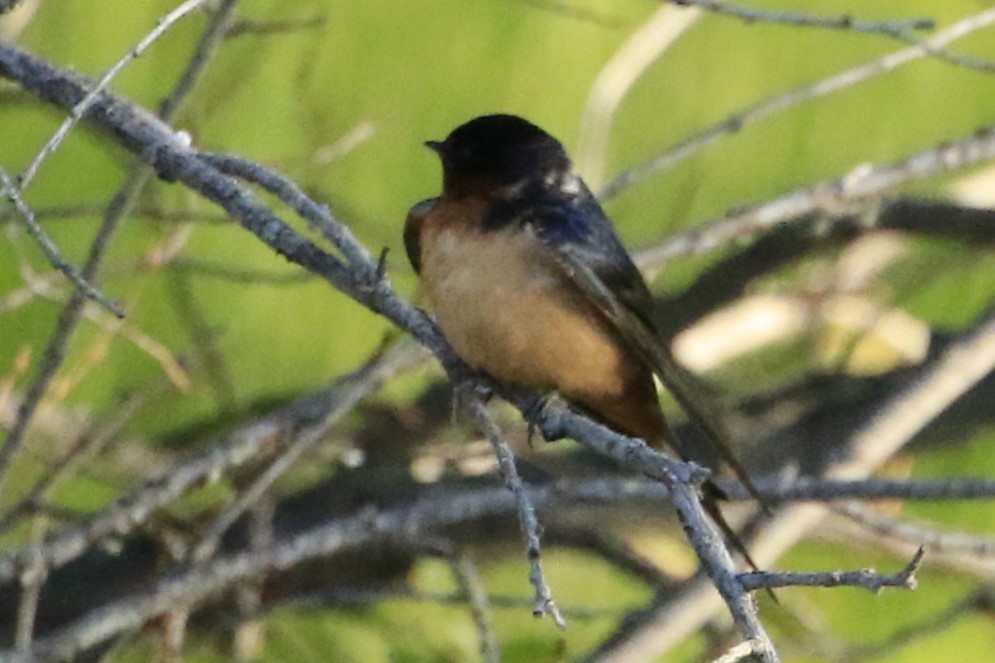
{"x": 594, "y": 265}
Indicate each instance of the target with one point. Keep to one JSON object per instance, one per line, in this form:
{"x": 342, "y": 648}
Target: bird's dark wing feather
{"x": 578, "y": 230}
{"x": 412, "y": 232}
{"x": 592, "y": 256}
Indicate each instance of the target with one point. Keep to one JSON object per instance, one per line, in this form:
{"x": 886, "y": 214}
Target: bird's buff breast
{"x": 506, "y": 310}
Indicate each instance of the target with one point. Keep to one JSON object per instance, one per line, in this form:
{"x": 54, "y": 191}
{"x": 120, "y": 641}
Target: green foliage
{"x": 394, "y": 75}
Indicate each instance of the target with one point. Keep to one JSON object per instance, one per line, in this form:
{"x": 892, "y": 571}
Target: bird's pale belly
{"x": 506, "y": 311}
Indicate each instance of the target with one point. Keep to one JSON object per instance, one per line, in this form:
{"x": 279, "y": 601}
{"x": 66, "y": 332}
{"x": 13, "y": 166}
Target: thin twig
{"x": 239, "y": 448}
{"x": 869, "y": 579}
{"x": 731, "y": 277}
{"x": 119, "y": 207}
{"x": 681, "y": 479}
{"x": 249, "y": 596}
{"x": 192, "y": 586}
{"x": 575, "y": 11}
{"x": 472, "y": 587}
{"x": 350, "y": 598}
{"x": 740, "y": 652}
{"x": 838, "y": 198}
{"x": 803, "y": 489}
{"x": 896, "y": 421}
{"x": 350, "y": 390}
{"x": 55, "y": 350}
{"x": 248, "y": 27}
{"x": 87, "y": 443}
{"x": 320, "y": 216}
{"x": 204, "y": 339}
{"x": 217, "y": 29}
{"x": 544, "y": 604}
{"x": 79, "y": 110}
{"x": 825, "y": 490}
{"x": 973, "y": 545}
{"x": 32, "y": 580}
{"x": 50, "y": 249}
{"x": 169, "y": 364}
{"x": 63, "y": 212}
{"x": 238, "y": 274}
{"x": 644, "y": 47}
{"x": 896, "y": 28}
{"x": 611, "y": 549}
{"x": 781, "y": 102}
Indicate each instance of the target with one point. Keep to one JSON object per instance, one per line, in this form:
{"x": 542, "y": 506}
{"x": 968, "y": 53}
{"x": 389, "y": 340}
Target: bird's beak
{"x": 434, "y": 145}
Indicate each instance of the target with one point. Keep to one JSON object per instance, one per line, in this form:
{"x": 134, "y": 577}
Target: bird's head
{"x": 500, "y": 152}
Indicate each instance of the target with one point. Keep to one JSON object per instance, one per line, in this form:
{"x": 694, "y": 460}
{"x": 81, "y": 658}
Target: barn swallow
{"x": 530, "y": 283}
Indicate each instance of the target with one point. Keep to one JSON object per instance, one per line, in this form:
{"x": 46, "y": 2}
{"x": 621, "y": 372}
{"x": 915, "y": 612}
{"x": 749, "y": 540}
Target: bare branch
{"x": 350, "y": 391}
{"x": 359, "y": 277}
{"x": 55, "y": 351}
{"x": 681, "y": 480}
{"x": 897, "y": 420}
{"x": 87, "y": 442}
{"x": 740, "y": 652}
{"x": 974, "y": 545}
{"x": 732, "y": 276}
{"x": 51, "y": 251}
{"x": 175, "y": 160}
{"x": 471, "y": 586}
{"x": 217, "y": 29}
{"x": 241, "y": 447}
{"x": 845, "y": 196}
{"x": 609, "y": 548}
{"x": 776, "y": 104}
{"x": 803, "y": 489}
{"x": 869, "y": 579}
{"x": 169, "y": 364}
{"x": 247, "y": 27}
{"x": 898, "y": 28}
{"x": 957, "y": 488}
{"x": 237, "y": 274}
{"x": 84, "y": 101}
{"x": 544, "y": 604}
{"x": 192, "y": 586}
{"x": 32, "y": 581}
{"x": 320, "y": 216}
{"x": 63, "y": 212}
{"x": 83, "y": 106}
{"x": 364, "y": 597}
{"x": 189, "y": 588}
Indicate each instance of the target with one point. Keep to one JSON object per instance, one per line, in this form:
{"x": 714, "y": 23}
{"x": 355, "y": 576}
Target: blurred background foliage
{"x": 341, "y": 100}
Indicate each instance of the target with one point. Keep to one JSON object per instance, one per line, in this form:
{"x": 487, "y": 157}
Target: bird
{"x": 530, "y": 283}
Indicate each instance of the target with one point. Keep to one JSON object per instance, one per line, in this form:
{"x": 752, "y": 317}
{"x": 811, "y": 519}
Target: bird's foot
{"x": 537, "y": 415}
{"x": 465, "y": 391}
